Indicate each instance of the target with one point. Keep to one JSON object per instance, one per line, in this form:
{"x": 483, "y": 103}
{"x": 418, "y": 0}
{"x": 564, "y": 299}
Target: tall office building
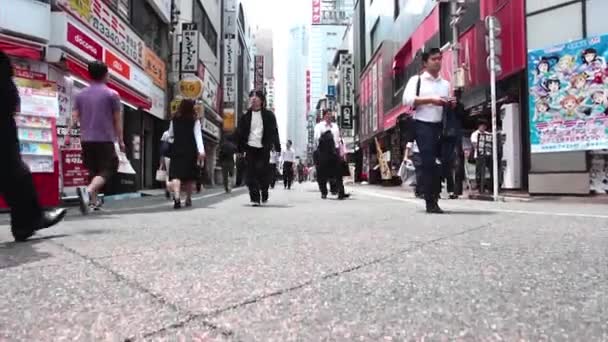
{"x": 297, "y": 65}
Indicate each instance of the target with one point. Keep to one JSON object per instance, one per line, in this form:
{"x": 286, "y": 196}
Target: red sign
{"x": 258, "y": 76}
{"x": 84, "y": 43}
{"x": 73, "y": 170}
{"x": 316, "y": 11}
{"x": 30, "y": 75}
{"x": 118, "y": 65}
{"x": 307, "y": 92}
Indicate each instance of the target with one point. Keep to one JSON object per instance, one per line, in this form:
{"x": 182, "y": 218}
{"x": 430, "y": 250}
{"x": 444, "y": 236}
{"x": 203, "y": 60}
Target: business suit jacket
{"x": 270, "y": 137}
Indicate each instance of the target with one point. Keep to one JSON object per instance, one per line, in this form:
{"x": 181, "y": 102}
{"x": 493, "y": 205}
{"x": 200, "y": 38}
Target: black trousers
{"x": 428, "y": 136}
{"x": 452, "y": 166}
{"x": 257, "y": 174}
{"x": 330, "y": 171}
{"x": 227, "y": 172}
{"x": 417, "y": 160}
{"x": 483, "y": 163}
{"x": 16, "y": 183}
{"x": 273, "y": 174}
{"x": 287, "y": 174}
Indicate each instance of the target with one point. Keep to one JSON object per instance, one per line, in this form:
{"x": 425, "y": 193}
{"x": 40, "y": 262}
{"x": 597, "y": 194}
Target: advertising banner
{"x": 100, "y": 18}
{"x": 258, "y": 76}
{"x": 346, "y": 79}
{"x": 189, "y": 51}
{"x": 155, "y": 68}
{"x": 307, "y": 93}
{"x": 568, "y": 96}
{"x": 73, "y": 170}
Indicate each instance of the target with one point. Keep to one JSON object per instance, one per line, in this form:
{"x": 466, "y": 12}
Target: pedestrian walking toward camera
{"x": 98, "y": 111}
{"x": 257, "y": 135}
{"x": 226, "y": 158}
{"x": 328, "y": 156}
{"x": 289, "y": 157}
{"x": 428, "y": 93}
{"x": 187, "y": 153}
{"x": 16, "y": 183}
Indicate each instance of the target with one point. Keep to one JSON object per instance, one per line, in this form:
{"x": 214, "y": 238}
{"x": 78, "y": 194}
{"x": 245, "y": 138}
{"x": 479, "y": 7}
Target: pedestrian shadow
{"x": 468, "y": 212}
{"x": 14, "y": 254}
{"x": 272, "y": 206}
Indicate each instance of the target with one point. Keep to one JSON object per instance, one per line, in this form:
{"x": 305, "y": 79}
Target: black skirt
{"x": 184, "y": 168}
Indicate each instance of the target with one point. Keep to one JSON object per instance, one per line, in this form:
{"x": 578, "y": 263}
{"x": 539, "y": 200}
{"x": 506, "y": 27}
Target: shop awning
{"x": 427, "y": 29}
{"x": 79, "y": 69}
{"x": 390, "y": 118}
{"x": 21, "y": 49}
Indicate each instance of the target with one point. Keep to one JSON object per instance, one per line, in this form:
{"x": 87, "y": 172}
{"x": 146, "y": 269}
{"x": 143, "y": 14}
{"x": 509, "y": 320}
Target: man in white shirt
{"x": 272, "y": 171}
{"x": 482, "y": 145}
{"x": 257, "y": 135}
{"x": 429, "y": 94}
{"x": 289, "y": 157}
{"x": 328, "y": 160}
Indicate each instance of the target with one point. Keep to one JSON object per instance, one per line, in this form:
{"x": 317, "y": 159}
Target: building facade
{"x": 55, "y": 46}
{"x": 297, "y": 105}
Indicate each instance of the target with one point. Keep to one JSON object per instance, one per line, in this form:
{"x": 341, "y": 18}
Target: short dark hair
{"x": 261, "y": 94}
{"x": 98, "y": 70}
{"x": 427, "y": 54}
{"x": 290, "y": 142}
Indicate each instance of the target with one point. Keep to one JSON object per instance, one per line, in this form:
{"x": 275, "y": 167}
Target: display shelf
{"x": 34, "y": 126}
{"x": 39, "y": 141}
{"x": 38, "y": 154}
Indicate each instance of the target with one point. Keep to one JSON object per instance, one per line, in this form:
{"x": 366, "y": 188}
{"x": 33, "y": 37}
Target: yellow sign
{"x": 82, "y": 7}
{"x": 229, "y": 122}
{"x": 198, "y": 107}
{"x": 191, "y": 87}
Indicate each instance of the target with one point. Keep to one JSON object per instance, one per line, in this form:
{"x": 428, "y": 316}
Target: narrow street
{"x": 371, "y": 268}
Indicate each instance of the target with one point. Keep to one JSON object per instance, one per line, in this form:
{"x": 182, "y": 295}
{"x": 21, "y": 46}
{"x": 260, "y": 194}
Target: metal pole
{"x": 493, "y": 99}
{"x": 455, "y": 63}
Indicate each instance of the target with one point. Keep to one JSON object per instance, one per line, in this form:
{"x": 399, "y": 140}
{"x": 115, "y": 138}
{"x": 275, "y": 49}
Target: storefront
{"x": 212, "y": 123}
{"x": 567, "y": 92}
{"x": 74, "y": 42}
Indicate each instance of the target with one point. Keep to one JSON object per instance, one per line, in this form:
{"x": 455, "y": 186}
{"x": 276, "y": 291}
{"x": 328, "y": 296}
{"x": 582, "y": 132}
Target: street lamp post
{"x": 494, "y": 50}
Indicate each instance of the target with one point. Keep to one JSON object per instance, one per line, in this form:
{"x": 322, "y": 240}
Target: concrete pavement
{"x": 372, "y": 268}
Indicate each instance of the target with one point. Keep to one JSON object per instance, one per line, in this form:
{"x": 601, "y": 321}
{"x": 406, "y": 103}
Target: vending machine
{"x": 36, "y": 129}
{"x": 511, "y": 149}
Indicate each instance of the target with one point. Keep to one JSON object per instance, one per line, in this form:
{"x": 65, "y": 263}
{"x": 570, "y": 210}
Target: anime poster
{"x": 569, "y": 96}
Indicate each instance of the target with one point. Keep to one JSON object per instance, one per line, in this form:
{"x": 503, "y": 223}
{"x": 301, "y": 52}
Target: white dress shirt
{"x": 429, "y": 87}
{"x": 274, "y": 157}
{"x": 289, "y": 155}
{"x": 257, "y": 130}
{"x": 323, "y": 127}
{"x": 198, "y": 136}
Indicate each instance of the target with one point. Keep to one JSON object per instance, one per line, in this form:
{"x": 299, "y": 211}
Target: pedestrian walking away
{"x": 257, "y": 135}
{"x": 226, "y": 158}
{"x": 289, "y": 157}
{"x": 329, "y": 159}
{"x": 301, "y": 171}
{"x": 428, "y": 93}
{"x": 187, "y": 153}
{"x": 16, "y": 183}
{"x": 452, "y": 168}
{"x": 97, "y": 110}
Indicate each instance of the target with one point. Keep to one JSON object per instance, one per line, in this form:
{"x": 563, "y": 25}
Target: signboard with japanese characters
{"x": 316, "y": 12}
{"x": 258, "y": 77}
{"x": 98, "y": 16}
{"x": 229, "y": 89}
{"x": 307, "y": 93}
{"x": 229, "y": 54}
{"x": 328, "y": 12}
{"x": 210, "y": 91}
{"x": 346, "y": 80}
{"x": 155, "y": 68}
{"x": 211, "y": 128}
{"x": 189, "y": 51}
{"x": 346, "y": 117}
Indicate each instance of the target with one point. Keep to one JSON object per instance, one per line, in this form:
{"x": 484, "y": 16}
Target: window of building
{"x": 547, "y": 28}
{"x": 205, "y": 26}
{"x": 596, "y": 17}
{"x": 375, "y": 36}
{"x": 539, "y": 5}
{"x": 154, "y": 32}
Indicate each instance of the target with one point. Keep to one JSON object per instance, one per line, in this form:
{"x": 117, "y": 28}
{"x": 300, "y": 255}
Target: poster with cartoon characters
{"x": 568, "y": 97}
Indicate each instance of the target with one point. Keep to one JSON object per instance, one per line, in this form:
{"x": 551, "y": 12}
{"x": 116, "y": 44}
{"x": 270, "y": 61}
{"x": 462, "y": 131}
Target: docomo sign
{"x": 84, "y": 42}
{"x": 117, "y": 65}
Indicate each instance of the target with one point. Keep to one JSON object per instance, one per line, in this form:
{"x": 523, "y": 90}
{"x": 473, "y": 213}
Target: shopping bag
{"x": 124, "y": 165}
{"x": 161, "y": 175}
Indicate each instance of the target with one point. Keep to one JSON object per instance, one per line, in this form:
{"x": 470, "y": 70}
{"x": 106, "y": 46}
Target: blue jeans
{"x": 428, "y": 136}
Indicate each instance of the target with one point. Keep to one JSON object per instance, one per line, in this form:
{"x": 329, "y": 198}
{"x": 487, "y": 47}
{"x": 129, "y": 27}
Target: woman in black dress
{"x": 186, "y": 152}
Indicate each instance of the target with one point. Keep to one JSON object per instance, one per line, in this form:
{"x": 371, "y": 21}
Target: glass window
{"x": 538, "y": 5}
{"x": 596, "y": 17}
{"x": 153, "y": 31}
{"x": 205, "y": 27}
{"x": 547, "y": 29}
{"x": 375, "y": 36}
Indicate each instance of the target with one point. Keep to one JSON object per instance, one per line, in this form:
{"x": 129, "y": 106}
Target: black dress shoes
{"x": 49, "y": 219}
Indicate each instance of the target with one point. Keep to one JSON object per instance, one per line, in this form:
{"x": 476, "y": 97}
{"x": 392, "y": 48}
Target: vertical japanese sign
{"x": 568, "y": 98}
{"x": 307, "y": 93}
{"x": 374, "y": 104}
{"x": 346, "y": 79}
{"x": 189, "y": 50}
{"x": 230, "y": 54}
{"x": 73, "y": 171}
{"x": 316, "y": 12}
{"x": 258, "y": 80}
{"x": 380, "y": 109}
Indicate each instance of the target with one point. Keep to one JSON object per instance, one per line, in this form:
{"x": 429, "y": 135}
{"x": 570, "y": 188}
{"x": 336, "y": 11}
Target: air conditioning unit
{"x": 511, "y": 148}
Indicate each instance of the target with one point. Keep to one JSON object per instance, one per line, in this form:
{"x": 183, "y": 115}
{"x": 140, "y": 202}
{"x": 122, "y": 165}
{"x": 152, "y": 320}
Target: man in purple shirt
{"x": 98, "y": 110}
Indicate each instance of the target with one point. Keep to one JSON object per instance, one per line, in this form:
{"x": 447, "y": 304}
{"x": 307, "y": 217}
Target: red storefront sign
{"x": 307, "y": 92}
{"x": 316, "y": 12}
{"x": 30, "y": 75}
{"x": 73, "y": 170}
{"x": 118, "y": 65}
{"x": 84, "y": 42}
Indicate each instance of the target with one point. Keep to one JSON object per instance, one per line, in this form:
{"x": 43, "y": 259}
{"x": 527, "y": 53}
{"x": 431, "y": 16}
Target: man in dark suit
{"x": 257, "y": 135}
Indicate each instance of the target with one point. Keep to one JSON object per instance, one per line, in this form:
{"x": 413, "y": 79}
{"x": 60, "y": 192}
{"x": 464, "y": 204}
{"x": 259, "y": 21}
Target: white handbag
{"x": 161, "y": 175}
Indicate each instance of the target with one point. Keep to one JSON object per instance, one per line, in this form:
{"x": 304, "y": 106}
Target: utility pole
{"x": 493, "y": 63}
{"x": 456, "y": 12}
